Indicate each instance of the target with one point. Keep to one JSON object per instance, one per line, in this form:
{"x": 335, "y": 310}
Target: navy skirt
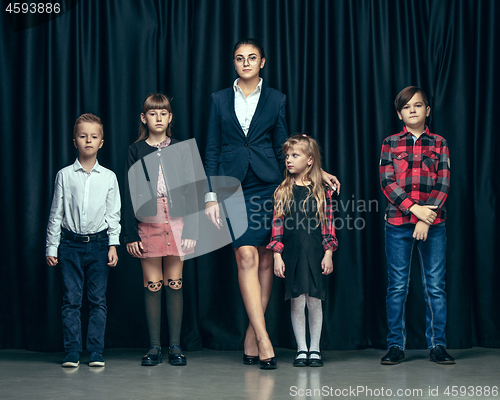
{"x": 258, "y": 196}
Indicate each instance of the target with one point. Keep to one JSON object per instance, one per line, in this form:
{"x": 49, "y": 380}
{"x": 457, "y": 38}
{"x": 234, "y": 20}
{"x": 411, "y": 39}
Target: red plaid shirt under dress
{"x": 327, "y": 229}
{"x": 414, "y": 173}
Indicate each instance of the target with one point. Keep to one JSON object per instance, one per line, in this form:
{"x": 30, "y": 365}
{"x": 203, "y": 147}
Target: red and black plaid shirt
{"x": 327, "y": 229}
{"x": 414, "y": 173}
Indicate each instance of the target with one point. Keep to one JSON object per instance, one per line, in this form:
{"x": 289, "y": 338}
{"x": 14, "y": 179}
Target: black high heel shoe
{"x": 177, "y": 358}
{"x": 150, "y": 360}
{"x": 250, "y": 360}
{"x": 269, "y": 363}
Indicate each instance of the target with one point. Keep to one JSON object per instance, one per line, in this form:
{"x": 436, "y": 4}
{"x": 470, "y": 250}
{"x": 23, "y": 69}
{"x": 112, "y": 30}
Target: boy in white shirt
{"x": 82, "y": 237}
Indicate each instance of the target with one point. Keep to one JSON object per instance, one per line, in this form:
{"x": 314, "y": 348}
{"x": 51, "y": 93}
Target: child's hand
{"x": 187, "y": 244}
{"x": 112, "y": 256}
{"x": 327, "y": 263}
{"x": 51, "y": 260}
{"x": 421, "y": 230}
{"x": 279, "y": 266}
{"x": 424, "y": 213}
{"x": 135, "y": 248}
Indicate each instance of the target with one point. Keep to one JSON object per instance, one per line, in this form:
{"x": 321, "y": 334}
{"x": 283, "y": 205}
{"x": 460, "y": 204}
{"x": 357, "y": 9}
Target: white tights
{"x": 298, "y": 307}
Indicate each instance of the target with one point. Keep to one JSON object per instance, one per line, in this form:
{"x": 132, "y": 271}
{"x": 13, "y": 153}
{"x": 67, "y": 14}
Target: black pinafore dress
{"x": 303, "y": 249}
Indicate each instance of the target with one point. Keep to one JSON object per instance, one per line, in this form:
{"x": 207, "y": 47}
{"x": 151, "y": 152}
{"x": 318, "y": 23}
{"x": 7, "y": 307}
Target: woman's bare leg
{"x": 249, "y": 275}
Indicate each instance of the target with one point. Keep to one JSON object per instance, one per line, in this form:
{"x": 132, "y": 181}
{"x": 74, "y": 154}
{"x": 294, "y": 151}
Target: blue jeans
{"x": 432, "y": 256}
{"x": 84, "y": 263}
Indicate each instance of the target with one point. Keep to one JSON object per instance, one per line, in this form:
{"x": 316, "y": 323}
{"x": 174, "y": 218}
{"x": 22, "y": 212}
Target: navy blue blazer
{"x": 229, "y": 152}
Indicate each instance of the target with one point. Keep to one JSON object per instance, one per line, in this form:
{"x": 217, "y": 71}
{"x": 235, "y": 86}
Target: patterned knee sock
{"x": 152, "y": 303}
{"x": 175, "y": 303}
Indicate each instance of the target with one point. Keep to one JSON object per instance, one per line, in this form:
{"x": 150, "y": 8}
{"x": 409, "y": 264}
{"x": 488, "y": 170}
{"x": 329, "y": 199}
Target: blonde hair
{"x": 90, "y": 118}
{"x": 154, "y": 101}
{"x": 283, "y": 195}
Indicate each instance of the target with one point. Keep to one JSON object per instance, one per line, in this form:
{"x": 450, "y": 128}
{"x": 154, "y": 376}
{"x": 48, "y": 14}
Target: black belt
{"x": 83, "y": 238}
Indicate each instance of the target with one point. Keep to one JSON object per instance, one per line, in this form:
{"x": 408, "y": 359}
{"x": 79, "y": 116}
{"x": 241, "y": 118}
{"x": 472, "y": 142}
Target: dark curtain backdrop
{"x": 340, "y": 63}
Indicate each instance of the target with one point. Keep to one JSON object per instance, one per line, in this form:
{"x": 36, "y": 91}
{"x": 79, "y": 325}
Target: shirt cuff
{"x": 276, "y": 246}
{"x": 406, "y": 204}
{"x": 210, "y": 196}
{"x": 51, "y": 251}
{"x": 114, "y": 240}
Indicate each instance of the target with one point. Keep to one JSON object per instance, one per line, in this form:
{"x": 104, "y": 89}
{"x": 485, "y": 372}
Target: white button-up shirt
{"x": 245, "y": 106}
{"x": 84, "y": 203}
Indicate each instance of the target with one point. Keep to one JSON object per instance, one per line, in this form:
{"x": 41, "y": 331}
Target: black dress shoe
{"x": 394, "y": 356}
{"x": 300, "y": 362}
{"x": 250, "y": 360}
{"x": 150, "y": 360}
{"x": 440, "y": 355}
{"x": 176, "y": 357}
{"x": 269, "y": 363}
{"x": 315, "y": 362}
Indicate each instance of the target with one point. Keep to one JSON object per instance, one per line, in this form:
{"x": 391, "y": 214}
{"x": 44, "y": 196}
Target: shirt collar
{"x": 236, "y": 87}
{"x": 407, "y": 132}
{"x": 77, "y": 166}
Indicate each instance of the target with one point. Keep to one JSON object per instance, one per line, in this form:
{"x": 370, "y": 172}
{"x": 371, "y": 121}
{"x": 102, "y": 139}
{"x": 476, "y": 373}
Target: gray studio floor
{"x": 221, "y": 375}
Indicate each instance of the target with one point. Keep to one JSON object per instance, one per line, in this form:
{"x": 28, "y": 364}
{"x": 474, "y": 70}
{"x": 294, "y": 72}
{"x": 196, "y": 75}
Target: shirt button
{"x": 415, "y": 170}
{"x": 168, "y": 244}
{"x": 246, "y": 144}
{"x": 159, "y": 154}
{"x": 166, "y": 222}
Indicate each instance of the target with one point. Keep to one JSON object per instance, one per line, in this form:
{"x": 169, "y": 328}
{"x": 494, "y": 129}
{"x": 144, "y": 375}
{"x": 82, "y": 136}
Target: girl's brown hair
{"x": 283, "y": 195}
{"x": 154, "y": 101}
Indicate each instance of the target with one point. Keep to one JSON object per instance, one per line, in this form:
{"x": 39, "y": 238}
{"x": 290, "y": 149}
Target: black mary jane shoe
{"x": 250, "y": 360}
{"x": 176, "y": 357}
{"x": 269, "y": 363}
{"x": 150, "y": 360}
{"x": 315, "y": 362}
{"x": 300, "y": 362}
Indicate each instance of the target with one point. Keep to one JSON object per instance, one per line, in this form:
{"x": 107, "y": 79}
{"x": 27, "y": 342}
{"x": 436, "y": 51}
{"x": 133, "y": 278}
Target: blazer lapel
{"x": 230, "y": 101}
{"x": 260, "y": 106}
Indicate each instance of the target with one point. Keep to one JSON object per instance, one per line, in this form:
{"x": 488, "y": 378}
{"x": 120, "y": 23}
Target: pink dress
{"x": 161, "y": 235}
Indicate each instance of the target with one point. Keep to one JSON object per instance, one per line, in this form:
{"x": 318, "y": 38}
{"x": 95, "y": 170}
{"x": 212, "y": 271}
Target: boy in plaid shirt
{"x": 415, "y": 178}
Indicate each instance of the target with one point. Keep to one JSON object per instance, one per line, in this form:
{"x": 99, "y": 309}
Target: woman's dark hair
{"x": 252, "y": 42}
{"x": 405, "y": 96}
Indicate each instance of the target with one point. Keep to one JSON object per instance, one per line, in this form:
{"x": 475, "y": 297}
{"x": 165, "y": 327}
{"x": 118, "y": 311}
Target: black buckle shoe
{"x": 150, "y": 360}
{"x": 300, "y": 362}
{"x": 315, "y": 362}
{"x": 176, "y": 357}
{"x": 394, "y": 356}
{"x": 440, "y": 355}
{"x": 250, "y": 360}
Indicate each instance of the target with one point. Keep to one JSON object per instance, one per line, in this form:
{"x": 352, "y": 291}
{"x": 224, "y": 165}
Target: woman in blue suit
{"x": 246, "y": 130}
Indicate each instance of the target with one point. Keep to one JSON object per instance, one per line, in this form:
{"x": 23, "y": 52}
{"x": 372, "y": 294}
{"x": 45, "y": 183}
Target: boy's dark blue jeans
{"x": 399, "y": 244}
{"x": 84, "y": 263}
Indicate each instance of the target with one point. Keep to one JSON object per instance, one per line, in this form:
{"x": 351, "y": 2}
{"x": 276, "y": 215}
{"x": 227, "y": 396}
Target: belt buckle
{"x": 86, "y": 239}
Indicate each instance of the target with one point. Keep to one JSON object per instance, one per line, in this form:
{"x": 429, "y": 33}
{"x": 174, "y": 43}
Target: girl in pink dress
{"x": 161, "y": 240}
